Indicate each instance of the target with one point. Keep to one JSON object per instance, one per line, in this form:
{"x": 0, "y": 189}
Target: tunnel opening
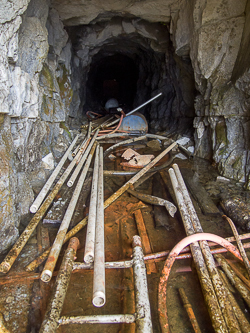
{"x": 133, "y": 60}
{"x": 113, "y": 76}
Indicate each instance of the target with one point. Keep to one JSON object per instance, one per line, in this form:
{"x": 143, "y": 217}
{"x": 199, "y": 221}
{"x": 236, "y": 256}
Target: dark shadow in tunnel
{"x": 113, "y": 76}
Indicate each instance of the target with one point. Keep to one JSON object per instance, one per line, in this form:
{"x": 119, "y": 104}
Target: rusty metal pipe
{"x": 239, "y": 244}
{"x": 244, "y": 324}
{"x": 58, "y": 242}
{"x": 98, "y": 319}
{"x": 220, "y": 291}
{"x": 53, "y": 312}
{"x": 35, "y": 263}
{"x": 162, "y": 289}
{"x": 206, "y": 283}
{"x": 234, "y": 279}
{"x": 238, "y": 272}
{"x": 90, "y": 236}
{"x": 39, "y": 199}
{"x": 22, "y": 240}
{"x": 102, "y": 125}
{"x": 142, "y": 305}
{"x": 110, "y": 149}
{"x": 82, "y": 161}
{"x": 155, "y": 201}
{"x": 99, "y": 297}
{"x": 81, "y": 150}
{"x": 189, "y": 310}
{"x": 139, "y": 107}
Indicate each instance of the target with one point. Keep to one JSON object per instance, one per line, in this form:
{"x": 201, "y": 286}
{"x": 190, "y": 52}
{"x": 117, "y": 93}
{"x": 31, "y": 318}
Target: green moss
{"x": 63, "y": 125}
{"x": 46, "y": 77}
{"x": 66, "y": 91}
{"x": 1, "y": 120}
{"x": 237, "y": 163}
{"x": 222, "y": 151}
{"x": 45, "y": 105}
{"x": 221, "y": 133}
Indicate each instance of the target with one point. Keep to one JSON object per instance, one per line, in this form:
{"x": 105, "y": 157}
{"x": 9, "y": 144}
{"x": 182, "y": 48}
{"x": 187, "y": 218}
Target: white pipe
{"x": 76, "y": 150}
{"x": 82, "y": 149}
{"x": 139, "y": 107}
{"x": 99, "y": 297}
{"x": 80, "y": 164}
{"x": 90, "y": 236}
{"x": 39, "y": 199}
{"x": 57, "y": 245}
{"x": 89, "y": 130}
{"x": 98, "y": 319}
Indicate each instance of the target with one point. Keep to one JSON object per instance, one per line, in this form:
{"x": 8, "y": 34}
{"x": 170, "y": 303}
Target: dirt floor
{"x": 23, "y": 297}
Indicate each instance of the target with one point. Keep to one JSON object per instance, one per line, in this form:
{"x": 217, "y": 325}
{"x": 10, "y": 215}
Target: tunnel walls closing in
{"x": 135, "y": 58}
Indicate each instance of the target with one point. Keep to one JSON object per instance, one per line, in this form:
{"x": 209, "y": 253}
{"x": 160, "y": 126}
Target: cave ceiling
{"x": 79, "y": 12}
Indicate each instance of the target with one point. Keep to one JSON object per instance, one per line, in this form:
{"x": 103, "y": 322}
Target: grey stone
{"x": 33, "y": 37}
{"x": 37, "y": 179}
{"x": 11, "y": 9}
{"x": 57, "y": 36}
{"x": 25, "y": 195}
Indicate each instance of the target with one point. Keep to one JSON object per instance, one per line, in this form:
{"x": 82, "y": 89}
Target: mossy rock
{"x": 63, "y": 125}
{"x": 66, "y": 91}
{"x": 47, "y": 78}
{"x": 221, "y": 133}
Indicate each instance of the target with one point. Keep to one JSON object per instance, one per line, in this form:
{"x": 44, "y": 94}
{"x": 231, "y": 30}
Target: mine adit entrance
{"x": 132, "y": 60}
{"x": 113, "y": 76}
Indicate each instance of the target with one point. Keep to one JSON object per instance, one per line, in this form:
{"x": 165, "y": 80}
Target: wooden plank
{"x": 151, "y": 267}
{"x": 206, "y": 204}
{"x": 161, "y": 216}
{"x": 166, "y": 179}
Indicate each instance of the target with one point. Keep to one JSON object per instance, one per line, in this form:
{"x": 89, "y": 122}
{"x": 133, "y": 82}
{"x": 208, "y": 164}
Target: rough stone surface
{"x": 8, "y": 217}
{"x": 33, "y": 37}
{"x": 25, "y": 195}
{"x": 81, "y": 12}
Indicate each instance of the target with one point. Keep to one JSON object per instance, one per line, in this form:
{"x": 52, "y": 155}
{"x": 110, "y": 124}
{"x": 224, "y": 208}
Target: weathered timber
{"x": 161, "y": 216}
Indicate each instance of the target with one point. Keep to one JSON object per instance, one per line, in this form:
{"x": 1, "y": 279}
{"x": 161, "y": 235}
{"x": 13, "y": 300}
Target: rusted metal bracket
{"x": 142, "y": 317}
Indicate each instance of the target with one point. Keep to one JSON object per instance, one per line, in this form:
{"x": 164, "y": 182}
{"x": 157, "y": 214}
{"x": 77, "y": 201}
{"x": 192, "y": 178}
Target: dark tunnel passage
{"x": 113, "y": 76}
{"x": 133, "y": 68}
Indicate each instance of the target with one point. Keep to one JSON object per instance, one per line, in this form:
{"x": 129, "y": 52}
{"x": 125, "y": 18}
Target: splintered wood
{"x": 151, "y": 267}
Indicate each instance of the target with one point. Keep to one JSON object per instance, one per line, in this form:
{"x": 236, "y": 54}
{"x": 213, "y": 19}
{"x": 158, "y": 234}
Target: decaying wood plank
{"x": 167, "y": 182}
{"x": 206, "y": 204}
{"x": 151, "y": 267}
{"x": 161, "y": 216}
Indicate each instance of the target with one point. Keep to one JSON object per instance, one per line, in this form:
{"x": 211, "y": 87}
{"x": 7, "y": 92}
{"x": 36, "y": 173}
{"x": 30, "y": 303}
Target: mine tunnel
{"x": 113, "y": 76}
{"x": 124, "y": 138}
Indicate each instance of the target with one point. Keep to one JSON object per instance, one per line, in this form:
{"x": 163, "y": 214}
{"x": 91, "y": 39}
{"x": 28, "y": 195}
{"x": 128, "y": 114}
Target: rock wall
{"x": 148, "y": 46}
{"x": 215, "y": 35}
{"x": 34, "y": 75}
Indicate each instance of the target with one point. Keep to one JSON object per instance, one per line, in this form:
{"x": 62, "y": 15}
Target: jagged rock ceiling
{"x": 84, "y": 12}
